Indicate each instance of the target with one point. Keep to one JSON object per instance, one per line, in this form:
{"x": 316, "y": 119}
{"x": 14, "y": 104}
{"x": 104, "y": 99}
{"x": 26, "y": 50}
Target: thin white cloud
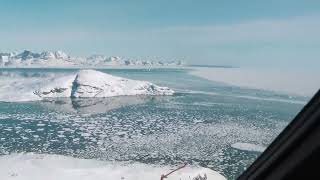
{"x": 200, "y": 44}
{"x": 291, "y": 29}
{"x": 294, "y": 28}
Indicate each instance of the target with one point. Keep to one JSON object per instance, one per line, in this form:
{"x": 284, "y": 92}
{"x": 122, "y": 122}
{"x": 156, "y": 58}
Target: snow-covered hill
{"x": 61, "y": 59}
{"x": 85, "y": 83}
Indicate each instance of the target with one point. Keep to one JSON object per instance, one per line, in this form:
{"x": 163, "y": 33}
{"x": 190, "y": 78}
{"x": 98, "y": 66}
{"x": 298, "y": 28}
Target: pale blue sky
{"x": 240, "y": 33}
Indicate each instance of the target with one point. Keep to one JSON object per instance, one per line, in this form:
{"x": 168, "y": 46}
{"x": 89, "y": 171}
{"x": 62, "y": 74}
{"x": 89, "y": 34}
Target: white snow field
{"x": 293, "y": 81}
{"x": 52, "y": 167}
{"x": 85, "y": 83}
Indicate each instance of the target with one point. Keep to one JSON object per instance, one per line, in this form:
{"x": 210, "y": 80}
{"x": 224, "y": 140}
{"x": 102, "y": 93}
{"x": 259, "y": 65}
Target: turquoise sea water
{"x": 197, "y": 125}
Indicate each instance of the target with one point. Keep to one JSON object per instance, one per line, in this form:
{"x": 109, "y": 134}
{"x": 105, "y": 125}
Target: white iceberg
{"x": 85, "y": 83}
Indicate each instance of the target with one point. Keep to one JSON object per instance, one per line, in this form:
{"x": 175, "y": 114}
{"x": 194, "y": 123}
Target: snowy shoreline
{"x": 44, "y": 166}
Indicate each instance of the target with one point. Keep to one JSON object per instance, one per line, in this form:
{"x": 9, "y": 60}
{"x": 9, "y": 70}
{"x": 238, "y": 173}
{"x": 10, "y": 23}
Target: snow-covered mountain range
{"x": 62, "y": 59}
